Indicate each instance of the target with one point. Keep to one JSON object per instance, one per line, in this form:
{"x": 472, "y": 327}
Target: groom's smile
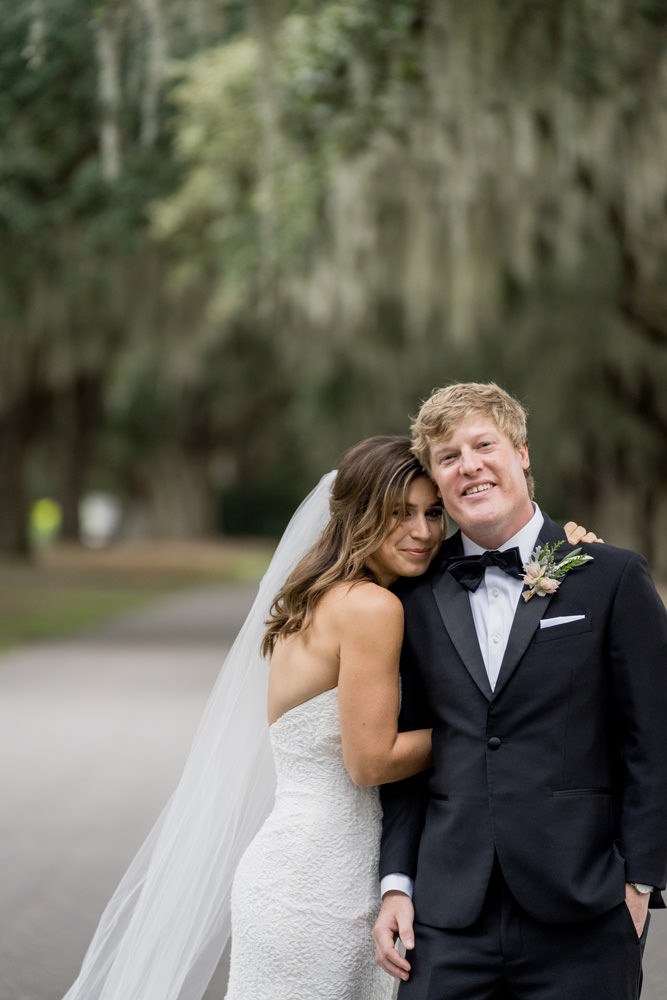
{"x": 477, "y": 489}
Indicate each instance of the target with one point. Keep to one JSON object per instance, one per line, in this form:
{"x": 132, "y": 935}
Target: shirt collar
{"x": 525, "y": 539}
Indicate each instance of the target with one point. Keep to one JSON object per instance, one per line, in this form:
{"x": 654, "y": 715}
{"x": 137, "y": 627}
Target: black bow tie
{"x": 469, "y": 570}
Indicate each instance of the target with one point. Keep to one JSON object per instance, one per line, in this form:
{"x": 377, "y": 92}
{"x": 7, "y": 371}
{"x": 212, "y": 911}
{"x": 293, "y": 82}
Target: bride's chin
{"x": 415, "y": 570}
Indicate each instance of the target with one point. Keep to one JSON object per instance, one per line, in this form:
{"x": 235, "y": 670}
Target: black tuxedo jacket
{"x": 561, "y": 771}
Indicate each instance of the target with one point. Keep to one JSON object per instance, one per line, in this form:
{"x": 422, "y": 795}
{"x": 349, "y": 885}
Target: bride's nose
{"x": 419, "y": 526}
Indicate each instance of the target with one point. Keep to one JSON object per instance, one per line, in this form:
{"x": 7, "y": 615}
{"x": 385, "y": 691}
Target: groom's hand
{"x": 637, "y": 903}
{"x": 394, "y": 920}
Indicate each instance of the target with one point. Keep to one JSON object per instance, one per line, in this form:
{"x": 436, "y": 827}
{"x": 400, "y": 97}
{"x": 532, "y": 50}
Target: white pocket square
{"x": 550, "y": 622}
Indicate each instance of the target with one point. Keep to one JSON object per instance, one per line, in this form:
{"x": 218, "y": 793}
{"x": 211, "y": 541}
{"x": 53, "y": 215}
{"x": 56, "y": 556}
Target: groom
{"x": 534, "y": 845}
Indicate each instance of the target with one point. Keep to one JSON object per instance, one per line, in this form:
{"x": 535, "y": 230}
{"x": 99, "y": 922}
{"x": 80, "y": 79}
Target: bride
{"x": 305, "y": 890}
{"x": 306, "y": 893}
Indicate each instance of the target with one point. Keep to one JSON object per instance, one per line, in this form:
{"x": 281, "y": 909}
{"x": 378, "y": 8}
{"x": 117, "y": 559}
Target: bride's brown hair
{"x": 369, "y": 490}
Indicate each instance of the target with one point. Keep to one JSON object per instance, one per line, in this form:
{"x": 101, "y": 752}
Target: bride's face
{"x": 413, "y": 539}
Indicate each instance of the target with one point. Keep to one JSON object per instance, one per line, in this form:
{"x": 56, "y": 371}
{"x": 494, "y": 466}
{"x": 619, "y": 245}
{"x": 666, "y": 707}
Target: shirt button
{"x": 495, "y": 592}
{"x": 494, "y": 742}
{"x": 495, "y": 639}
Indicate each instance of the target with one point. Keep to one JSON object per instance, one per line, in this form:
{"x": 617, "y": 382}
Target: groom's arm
{"x": 404, "y": 802}
{"x": 404, "y": 807}
{"x": 637, "y": 647}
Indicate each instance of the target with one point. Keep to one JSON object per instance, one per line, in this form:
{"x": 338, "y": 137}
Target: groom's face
{"x": 480, "y": 476}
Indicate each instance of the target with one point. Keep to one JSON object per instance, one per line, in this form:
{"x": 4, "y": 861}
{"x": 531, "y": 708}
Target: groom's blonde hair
{"x": 445, "y": 409}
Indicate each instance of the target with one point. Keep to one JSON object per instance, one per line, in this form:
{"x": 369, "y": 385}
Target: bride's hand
{"x": 577, "y": 533}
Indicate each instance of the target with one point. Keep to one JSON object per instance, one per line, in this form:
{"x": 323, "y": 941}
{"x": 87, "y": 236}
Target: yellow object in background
{"x": 45, "y": 520}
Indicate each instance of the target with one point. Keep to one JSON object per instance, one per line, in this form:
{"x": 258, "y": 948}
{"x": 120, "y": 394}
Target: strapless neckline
{"x": 303, "y": 704}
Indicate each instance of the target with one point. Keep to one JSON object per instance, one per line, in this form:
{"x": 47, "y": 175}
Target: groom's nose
{"x": 469, "y": 460}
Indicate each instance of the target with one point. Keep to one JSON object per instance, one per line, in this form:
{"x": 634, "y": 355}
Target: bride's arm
{"x": 368, "y": 693}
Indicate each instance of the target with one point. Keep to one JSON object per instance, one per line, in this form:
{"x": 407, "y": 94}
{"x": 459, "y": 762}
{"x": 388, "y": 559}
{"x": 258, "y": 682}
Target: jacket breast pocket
{"x": 563, "y": 630}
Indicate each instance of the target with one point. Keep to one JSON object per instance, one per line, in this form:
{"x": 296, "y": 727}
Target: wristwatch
{"x": 643, "y": 889}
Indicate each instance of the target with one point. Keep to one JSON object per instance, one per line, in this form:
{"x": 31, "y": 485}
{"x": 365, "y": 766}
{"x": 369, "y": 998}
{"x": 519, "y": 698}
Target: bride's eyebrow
{"x": 432, "y": 506}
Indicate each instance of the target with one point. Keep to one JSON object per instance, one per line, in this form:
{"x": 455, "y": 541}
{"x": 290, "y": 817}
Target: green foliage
{"x": 349, "y": 68}
{"x": 47, "y": 92}
{"x": 346, "y": 205}
{"x": 212, "y": 215}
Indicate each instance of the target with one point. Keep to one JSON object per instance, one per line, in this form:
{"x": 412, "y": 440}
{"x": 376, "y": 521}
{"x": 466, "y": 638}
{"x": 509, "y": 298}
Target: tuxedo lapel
{"x": 528, "y": 613}
{"x": 526, "y": 620}
{"x": 454, "y": 607}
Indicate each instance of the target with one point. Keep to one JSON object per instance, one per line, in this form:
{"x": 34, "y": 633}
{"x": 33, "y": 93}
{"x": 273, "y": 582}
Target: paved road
{"x": 94, "y": 734}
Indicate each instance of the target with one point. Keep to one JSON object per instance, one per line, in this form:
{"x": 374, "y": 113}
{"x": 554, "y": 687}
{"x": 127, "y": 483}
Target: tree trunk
{"x": 266, "y": 17}
{"x": 174, "y": 498}
{"x": 77, "y": 419}
{"x": 156, "y": 58}
{"x": 109, "y": 90}
{"x": 14, "y": 503}
{"x": 18, "y": 429}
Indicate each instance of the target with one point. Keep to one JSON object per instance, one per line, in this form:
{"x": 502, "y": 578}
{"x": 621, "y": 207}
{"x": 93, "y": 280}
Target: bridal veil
{"x": 166, "y": 926}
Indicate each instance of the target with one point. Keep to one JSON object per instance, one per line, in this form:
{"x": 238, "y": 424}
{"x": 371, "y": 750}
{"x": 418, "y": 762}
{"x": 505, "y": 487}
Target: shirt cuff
{"x": 639, "y": 886}
{"x": 397, "y": 881}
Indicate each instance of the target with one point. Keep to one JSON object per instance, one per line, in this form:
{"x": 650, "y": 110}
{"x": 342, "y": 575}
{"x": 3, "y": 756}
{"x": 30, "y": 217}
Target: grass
{"x": 65, "y": 590}
{"x": 68, "y": 590}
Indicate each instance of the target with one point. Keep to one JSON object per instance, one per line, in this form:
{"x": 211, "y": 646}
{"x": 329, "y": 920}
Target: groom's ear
{"x": 525, "y": 457}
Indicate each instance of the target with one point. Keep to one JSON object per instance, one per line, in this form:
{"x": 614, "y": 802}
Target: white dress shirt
{"x": 493, "y": 606}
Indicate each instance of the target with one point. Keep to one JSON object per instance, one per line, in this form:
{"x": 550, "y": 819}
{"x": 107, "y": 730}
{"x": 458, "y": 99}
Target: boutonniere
{"x": 543, "y": 573}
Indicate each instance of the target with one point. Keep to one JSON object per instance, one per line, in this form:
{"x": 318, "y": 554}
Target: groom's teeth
{"x": 478, "y": 489}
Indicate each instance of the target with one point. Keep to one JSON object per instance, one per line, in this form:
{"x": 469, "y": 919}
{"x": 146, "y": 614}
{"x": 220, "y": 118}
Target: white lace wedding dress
{"x": 305, "y": 893}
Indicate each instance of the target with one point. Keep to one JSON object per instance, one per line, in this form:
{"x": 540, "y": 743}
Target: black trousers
{"x": 507, "y": 955}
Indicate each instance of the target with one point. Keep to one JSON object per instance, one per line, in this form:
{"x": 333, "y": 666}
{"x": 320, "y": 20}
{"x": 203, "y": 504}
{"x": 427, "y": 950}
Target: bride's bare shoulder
{"x": 364, "y": 600}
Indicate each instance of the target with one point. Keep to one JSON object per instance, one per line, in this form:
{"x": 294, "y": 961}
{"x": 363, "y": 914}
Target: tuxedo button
{"x": 494, "y": 742}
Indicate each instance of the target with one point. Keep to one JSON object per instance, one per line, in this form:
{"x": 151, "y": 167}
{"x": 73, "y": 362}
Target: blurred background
{"x": 236, "y": 237}
{"x": 239, "y": 235}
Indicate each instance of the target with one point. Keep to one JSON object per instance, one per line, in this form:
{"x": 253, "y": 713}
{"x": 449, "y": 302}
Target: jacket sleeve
{"x": 638, "y": 656}
{"x": 404, "y": 802}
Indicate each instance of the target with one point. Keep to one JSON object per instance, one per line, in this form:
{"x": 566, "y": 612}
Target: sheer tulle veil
{"x": 165, "y": 928}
